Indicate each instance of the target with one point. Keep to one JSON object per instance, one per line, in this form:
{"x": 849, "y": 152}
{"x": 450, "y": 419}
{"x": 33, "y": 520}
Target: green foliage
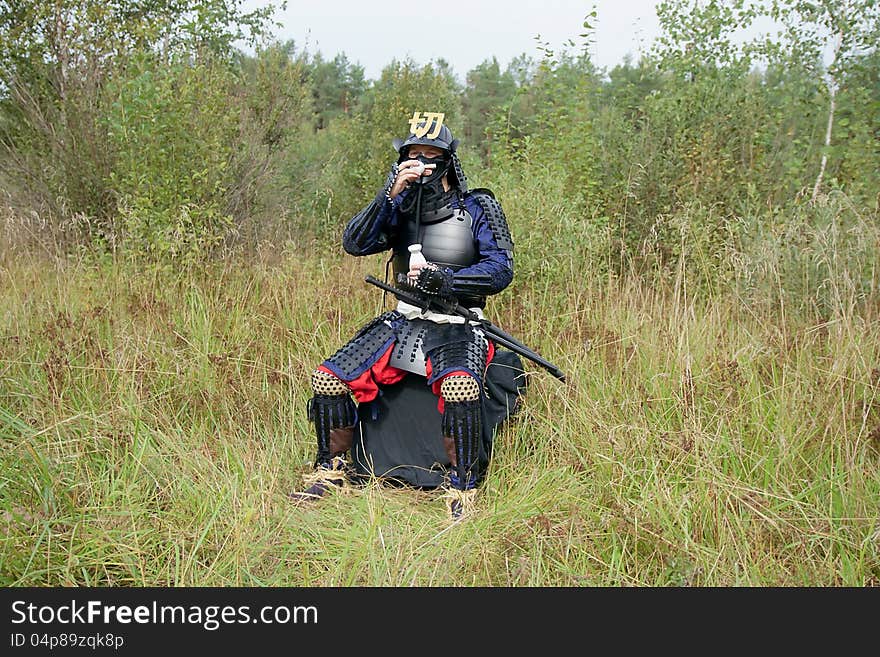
{"x": 692, "y": 125}
{"x": 275, "y": 108}
{"x": 629, "y": 85}
{"x": 196, "y": 145}
{"x": 699, "y": 36}
{"x": 847, "y": 31}
{"x": 337, "y": 86}
{"x": 173, "y": 131}
{"x": 272, "y": 86}
{"x": 809, "y": 30}
{"x": 487, "y": 92}
{"x": 56, "y": 62}
{"x": 855, "y": 163}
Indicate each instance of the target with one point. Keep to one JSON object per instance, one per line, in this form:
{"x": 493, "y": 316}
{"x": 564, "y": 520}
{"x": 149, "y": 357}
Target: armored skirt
{"x": 394, "y": 367}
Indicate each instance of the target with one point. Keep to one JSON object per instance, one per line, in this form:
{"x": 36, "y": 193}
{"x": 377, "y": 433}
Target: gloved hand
{"x": 435, "y": 282}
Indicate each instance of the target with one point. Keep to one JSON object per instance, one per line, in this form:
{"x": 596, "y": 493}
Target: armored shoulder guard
{"x": 495, "y": 217}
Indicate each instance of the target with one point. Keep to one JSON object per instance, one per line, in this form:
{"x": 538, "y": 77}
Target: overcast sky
{"x": 463, "y": 33}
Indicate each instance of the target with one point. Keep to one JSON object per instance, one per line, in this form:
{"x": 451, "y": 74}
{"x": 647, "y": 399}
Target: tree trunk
{"x": 832, "y": 91}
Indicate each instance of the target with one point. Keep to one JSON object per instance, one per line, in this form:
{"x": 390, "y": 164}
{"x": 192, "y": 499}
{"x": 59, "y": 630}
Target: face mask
{"x": 442, "y": 163}
{"x": 428, "y": 190}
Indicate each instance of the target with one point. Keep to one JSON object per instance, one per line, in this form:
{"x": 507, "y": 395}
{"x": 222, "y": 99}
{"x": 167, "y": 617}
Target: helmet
{"x": 429, "y": 130}
{"x": 426, "y": 134}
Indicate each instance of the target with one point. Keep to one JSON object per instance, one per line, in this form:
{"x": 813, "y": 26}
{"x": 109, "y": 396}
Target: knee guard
{"x": 327, "y": 384}
{"x": 459, "y": 388}
{"x": 462, "y": 430}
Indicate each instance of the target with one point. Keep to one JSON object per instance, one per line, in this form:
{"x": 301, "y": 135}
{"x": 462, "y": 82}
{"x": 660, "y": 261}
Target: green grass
{"x": 152, "y": 426}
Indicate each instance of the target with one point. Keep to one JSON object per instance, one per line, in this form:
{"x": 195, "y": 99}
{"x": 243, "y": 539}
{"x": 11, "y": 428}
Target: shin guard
{"x": 335, "y": 417}
{"x": 462, "y": 430}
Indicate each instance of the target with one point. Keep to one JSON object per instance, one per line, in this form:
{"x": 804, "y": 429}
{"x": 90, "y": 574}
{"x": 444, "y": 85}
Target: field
{"x": 154, "y": 423}
{"x": 697, "y": 239}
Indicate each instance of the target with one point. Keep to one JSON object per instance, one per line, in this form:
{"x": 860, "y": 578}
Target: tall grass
{"x": 152, "y": 424}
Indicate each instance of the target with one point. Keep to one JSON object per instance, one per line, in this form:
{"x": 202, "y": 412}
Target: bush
{"x": 173, "y": 130}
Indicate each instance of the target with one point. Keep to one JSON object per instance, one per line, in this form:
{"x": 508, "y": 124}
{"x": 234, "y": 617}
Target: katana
{"x": 453, "y": 308}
